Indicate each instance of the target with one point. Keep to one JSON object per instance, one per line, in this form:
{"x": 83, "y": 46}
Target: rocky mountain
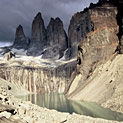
{"x": 57, "y": 41}
{"x": 80, "y": 25}
{"x": 38, "y": 36}
{"x": 21, "y": 41}
{"x": 50, "y": 42}
{"x": 95, "y": 37}
{"x": 98, "y": 47}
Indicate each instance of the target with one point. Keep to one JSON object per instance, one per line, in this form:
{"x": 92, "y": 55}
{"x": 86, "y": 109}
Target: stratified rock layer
{"x": 36, "y": 77}
{"x": 101, "y": 14}
{"x": 38, "y": 37}
{"x": 21, "y": 41}
{"x": 98, "y": 46}
{"x": 56, "y": 39}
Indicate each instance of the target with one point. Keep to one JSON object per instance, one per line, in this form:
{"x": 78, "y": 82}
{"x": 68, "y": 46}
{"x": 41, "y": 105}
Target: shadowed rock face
{"x": 50, "y": 43}
{"x": 38, "y": 28}
{"x": 56, "y": 39}
{"x": 82, "y": 22}
{"x": 120, "y": 23}
{"x": 38, "y": 38}
{"x": 99, "y": 45}
{"x": 21, "y": 41}
{"x": 80, "y": 25}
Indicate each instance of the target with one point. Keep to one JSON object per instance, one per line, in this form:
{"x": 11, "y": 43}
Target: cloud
{"x": 22, "y": 12}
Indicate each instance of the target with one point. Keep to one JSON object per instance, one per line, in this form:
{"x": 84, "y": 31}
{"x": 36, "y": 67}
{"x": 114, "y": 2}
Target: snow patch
{"x": 63, "y": 58}
{"x": 19, "y": 52}
{"x": 5, "y": 44}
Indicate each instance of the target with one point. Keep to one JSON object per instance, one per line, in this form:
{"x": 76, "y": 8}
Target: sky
{"x": 15, "y": 12}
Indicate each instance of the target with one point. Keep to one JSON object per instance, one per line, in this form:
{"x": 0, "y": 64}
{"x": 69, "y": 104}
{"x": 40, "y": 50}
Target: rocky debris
{"x": 9, "y": 55}
{"x": 21, "y": 41}
{"x": 7, "y": 111}
{"x": 104, "y": 86}
{"x": 98, "y": 45}
{"x": 56, "y": 39}
{"x": 27, "y": 112}
{"x": 38, "y": 37}
{"x": 92, "y": 52}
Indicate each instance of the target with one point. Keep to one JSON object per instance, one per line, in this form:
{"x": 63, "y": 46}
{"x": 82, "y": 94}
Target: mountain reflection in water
{"x": 60, "y": 103}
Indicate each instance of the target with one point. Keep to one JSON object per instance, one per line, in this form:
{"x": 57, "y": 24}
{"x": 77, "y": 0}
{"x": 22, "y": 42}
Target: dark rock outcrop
{"x": 38, "y": 37}
{"x": 121, "y": 45}
{"x": 80, "y": 25}
{"x": 21, "y": 41}
{"x": 56, "y": 39}
{"x": 120, "y": 23}
{"x": 9, "y": 55}
{"x": 98, "y": 45}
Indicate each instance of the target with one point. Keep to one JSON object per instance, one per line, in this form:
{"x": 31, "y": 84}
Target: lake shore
{"x": 17, "y": 110}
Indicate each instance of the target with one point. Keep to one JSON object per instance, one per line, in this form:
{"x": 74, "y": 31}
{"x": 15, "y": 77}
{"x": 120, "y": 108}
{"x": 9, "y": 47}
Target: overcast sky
{"x": 15, "y": 12}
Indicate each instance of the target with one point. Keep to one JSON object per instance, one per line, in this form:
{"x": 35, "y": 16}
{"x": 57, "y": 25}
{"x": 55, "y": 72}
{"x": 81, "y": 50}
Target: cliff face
{"x": 38, "y": 79}
{"x": 50, "y": 42}
{"x": 80, "y": 25}
{"x": 56, "y": 39}
{"x": 98, "y": 46}
{"x": 104, "y": 86}
{"x": 90, "y": 19}
{"x": 120, "y": 23}
{"x": 38, "y": 37}
{"x": 21, "y": 41}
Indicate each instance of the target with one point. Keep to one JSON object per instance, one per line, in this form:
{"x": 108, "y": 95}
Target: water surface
{"x": 60, "y": 103}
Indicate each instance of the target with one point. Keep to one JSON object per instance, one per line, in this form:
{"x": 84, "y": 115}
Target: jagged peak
{"x": 51, "y": 19}
{"x": 20, "y": 26}
{"x": 19, "y": 31}
{"x": 58, "y": 19}
{"x": 94, "y": 5}
{"x": 54, "y": 21}
{"x": 39, "y": 15}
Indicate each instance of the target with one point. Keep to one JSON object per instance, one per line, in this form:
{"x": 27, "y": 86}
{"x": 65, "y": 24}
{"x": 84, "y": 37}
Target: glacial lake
{"x": 60, "y": 103}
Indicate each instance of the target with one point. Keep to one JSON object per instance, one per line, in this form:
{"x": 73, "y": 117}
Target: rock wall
{"x": 80, "y": 25}
{"x": 50, "y": 42}
{"x": 56, "y": 39}
{"x": 104, "y": 86}
{"x": 98, "y": 46}
{"x": 38, "y": 36}
{"x": 100, "y": 14}
{"x": 37, "y": 79}
{"x": 21, "y": 41}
